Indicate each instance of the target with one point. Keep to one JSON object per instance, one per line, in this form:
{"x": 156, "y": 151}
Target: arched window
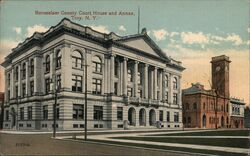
{"x": 58, "y": 59}
{"x": 31, "y": 67}
{"x": 47, "y": 63}
{"x": 175, "y": 83}
{"x": 77, "y": 59}
{"x": 24, "y": 70}
{"x": 97, "y": 64}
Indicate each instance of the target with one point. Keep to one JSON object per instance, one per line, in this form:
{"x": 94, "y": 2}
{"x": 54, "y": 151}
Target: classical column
{"x": 19, "y": 80}
{"x": 163, "y": 85}
{"x": 170, "y": 89}
{"x": 145, "y": 86}
{"x": 160, "y": 85}
{"x": 27, "y": 80}
{"x": 121, "y": 77}
{"x": 12, "y": 83}
{"x": 155, "y": 83}
{"x": 106, "y": 77}
{"x": 136, "y": 79}
{"x": 66, "y": 69}
{"x": 89, "y": 64}
{"x": 125, "y": 76}
{"x": 6, "y": 85}
{"x": 151, "y": 87}
{"x": 112, "y": 69}
{"x": 179, "y": 91}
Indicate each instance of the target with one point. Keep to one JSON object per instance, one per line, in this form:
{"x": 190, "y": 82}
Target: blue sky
{"x": 191, "y": 31}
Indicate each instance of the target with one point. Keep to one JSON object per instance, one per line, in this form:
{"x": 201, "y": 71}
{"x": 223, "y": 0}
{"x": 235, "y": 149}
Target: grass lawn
{"x": 211, "y": 133}
{"x": 224, "y": 142}
{"x": 195, "y": 151}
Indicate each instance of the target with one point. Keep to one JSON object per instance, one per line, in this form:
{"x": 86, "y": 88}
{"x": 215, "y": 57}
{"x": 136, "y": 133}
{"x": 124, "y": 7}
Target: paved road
{"x": 42, "y": 144}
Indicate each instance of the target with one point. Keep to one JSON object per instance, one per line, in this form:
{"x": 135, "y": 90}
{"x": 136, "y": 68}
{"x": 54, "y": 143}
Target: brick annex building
{"x": 131, "y": 82}
{"x": 202, "y": 108}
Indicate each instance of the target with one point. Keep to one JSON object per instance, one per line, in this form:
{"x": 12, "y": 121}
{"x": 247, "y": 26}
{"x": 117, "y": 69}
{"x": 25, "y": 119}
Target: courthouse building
{"x": 209, "y": 108}
{"x": 131, "y": 82}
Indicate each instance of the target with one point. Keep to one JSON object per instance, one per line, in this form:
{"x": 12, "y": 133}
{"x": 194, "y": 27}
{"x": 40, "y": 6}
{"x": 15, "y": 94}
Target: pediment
{"x": 143, "y": 45}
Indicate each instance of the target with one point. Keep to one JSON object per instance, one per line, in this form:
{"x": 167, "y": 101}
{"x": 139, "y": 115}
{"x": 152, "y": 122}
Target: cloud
{"x": 234, "y": 38}
{"x": 35, "y": 28}
{"x": 18, "y": 30}
{"x": 122, "y": 28}
{"x": 160, "y": 34}
{"x": 100, "y": 28}
{"x": 194, "y": 38}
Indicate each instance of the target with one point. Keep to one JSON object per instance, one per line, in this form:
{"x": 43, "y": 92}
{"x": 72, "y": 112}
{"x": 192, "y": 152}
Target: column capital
{"x": 146, "y": 65}
{"x": 137, "y": 62}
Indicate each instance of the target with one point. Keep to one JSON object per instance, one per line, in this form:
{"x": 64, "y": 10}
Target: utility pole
{"x": 85, "y": 98}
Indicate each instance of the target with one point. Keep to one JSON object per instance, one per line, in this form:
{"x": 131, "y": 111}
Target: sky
{"x": 189, "y": 31}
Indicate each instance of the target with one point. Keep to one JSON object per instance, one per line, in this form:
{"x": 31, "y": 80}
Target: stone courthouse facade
{"x": 131, "y": 83}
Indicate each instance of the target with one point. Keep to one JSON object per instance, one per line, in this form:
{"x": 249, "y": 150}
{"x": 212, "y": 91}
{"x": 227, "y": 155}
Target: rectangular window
{"x": 47, "y": 85}
{"x": 130, "y": 92}
{"x": 140, "y": 93}
{"x": 16, "y": 73}
{"x": 116, "y": 68}
{"x": 168, "y": 116}
{"x": 139, "y": 80}
{"x": 116, "y": 88}
{"x": 45, "y": 112}
{"x": 98, "y": 113}
{"x": 161, "y": 115}
{"x": 78, "y": 113}
{"x": 24, "y": 89}
{"x": 76, "y": 83}
{"x": 58, "y": 82}
{"x": 32, "y": 67}
{"x": 8, "y": 79}
{"x": 31, "y": 88}
{"x": 7, "y": 115}
{"x": 16, "y": 91}
{"x": 166, "y": 96}
{"x": 24, "y": 71}
{"x": 96, "y": 86}
{"x": 130, "y": 78}
{"x": 8, "y": 95}
{"x": 176, "y": 116}
{"x": 119, "y": 113}
{"x": 57, "y": 111}
{"x": 30, "y": 113}
{"x": 22, "y": 113}
{"x": 175, "y": 98}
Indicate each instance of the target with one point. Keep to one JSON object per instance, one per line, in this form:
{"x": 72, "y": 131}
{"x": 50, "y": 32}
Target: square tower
{"x": 220, "y": 75}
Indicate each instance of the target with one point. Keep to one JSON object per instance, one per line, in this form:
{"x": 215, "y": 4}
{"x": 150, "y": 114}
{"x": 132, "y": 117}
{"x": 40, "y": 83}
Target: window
{"x": 139, "y": 78}
{"x": 45, "y": 112}
{"x": 7, "y": 115}
{"x": 76, "y": 83}
{"x": 47, "y": 85}
{"x": 161, "y": 115}
{"x": 204, "y": 105}
{"x": 194, "y": 106}
{"x": 8, "y": 79}
{"x": 187, "y": 106}
{"x": 189, "y": 119}
{"x": 168, "y": 116}
{"x": 32, "y": 67}
{"x": 116, "y": 68}
{"x": 30, "y": 113}
{"x": 119, "y": 113}
{"x": 16, "y": 91}
{"x": 175, "y": 83}
{"x": 166, "y": 96}
{"x": 176, "y": 116}
{"x": 24, "y": 71}
{"x": 31, "y": 88}
{"x": 58, "y": 82}
{"x": 96, "y": 86}
{"x": 17, "y": 72}
{"x": 58, "y": 59}
{"x": 8, "y": 95}
{"x": 140, "y": 93}
{"x": 98, "y": 113}
{"x": 130, "y": 91}
{"x": 47, "y": 64}
{"x": 24, "y": 89}
{"x": 116, "y": 88}
{"x": 22, "y": 113}
{"x": 175, "y": 98}
{"x": 130, "y": 78}
{"x": 78, "y": 112}
{"x": 97, "y": 64}
{"x": 166, "y": 81}
{"x": 77, "y": 59}
{"x": 57, "y": 111}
